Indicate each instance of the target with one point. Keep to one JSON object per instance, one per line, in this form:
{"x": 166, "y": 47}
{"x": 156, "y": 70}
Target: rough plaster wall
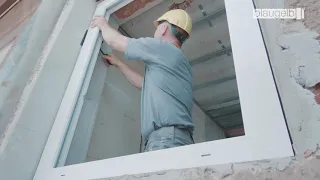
{"x": 38, "y": 104}
{"x": 294, "y": 53}
{"x": 17, "y": 67}
{"x": 14, "y": 20}
{"x": 307, "y": 169}
{"x": 4, "y": 51}
{"x": 295, "y": 58}
{"x": 301, "y": 52}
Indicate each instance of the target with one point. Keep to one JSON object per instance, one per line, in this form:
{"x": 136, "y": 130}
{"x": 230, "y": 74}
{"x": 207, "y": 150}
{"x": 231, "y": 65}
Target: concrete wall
{"x": 16, "y": 67}
{"x": 294, "y": 53}
{"x": 4, "y": 51}
{"x": 213, "y": 131}
{"x": 50, "y": 50}
{"x": 15, "y": 19}
{"x": 205, "y": 128}
{"x": 117, "y": 127}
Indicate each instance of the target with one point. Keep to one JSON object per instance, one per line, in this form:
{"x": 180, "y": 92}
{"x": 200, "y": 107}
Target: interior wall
{"x": 212, "y": 130}
{"x": 205, "y": 128}
{"x": 80, "y": 130}
{"x": 117, "y": 126}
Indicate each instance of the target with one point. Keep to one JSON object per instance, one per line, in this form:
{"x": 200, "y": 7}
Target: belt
{"x": 156, "y": 127}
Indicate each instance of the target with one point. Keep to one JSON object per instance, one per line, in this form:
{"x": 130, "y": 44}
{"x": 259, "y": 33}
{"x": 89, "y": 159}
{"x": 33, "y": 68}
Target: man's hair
{"x": 179, "y": 33}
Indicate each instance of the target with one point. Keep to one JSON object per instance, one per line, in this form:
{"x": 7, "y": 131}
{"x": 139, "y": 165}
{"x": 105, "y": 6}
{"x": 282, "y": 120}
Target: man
{"x": 166, "y": 101}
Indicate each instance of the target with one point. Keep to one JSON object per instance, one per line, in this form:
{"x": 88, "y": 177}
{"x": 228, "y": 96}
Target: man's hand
{"x": 132, "y": 76}
{"x": 112, "y": 59}
{"x": 114, "y": 39}
{"x": 100, "y": 22}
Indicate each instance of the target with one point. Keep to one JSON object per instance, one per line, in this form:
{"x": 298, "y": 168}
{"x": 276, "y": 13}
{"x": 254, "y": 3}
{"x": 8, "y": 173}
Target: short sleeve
{"x": 141, "y": 49}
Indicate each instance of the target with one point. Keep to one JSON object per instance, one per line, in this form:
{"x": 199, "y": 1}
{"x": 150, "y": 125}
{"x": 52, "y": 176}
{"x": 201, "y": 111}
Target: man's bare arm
{"x": 132, "y": 76}
{"x": 118, "y": 42}
{"x": 114, "y": 39}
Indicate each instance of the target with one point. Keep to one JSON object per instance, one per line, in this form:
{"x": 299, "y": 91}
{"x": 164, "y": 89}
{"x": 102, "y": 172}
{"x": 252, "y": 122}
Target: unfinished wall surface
{"x": 117, "y": 125}
{"x": 4, "y": 51}
{"x": 78, "y": 137}
{"x": 15, "y": 19}
{"x": 213, "y": 131}
{"x": 205, "y": 128}
{"x": 16, "y": 67}
{"x": 47, "y": 65}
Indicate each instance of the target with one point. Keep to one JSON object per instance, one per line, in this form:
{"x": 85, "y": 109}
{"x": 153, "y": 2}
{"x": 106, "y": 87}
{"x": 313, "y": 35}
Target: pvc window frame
{"x": 266, "y": 134}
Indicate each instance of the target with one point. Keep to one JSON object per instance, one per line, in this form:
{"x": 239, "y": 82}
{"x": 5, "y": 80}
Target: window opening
{"x": 115, "y": 122}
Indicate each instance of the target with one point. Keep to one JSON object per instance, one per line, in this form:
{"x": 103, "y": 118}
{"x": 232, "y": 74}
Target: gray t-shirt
{"x": 166, "y": 98}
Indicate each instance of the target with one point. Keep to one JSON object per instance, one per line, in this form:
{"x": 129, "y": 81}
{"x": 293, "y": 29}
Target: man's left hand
{"x": 114, "y": 39}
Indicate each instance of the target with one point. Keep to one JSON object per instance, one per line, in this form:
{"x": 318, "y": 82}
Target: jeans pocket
{"x": 152, "y": 147}
{"x": 159, "y": 143}
{"x": 161, "y": 139}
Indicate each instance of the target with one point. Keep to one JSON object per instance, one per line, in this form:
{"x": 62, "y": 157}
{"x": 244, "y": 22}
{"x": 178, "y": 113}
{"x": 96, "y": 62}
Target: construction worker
{"x": 166, "y": 101}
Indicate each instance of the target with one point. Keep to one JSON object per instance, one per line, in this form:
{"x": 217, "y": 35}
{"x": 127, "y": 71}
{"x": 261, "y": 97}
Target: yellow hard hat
{"x": 177, "y": 17}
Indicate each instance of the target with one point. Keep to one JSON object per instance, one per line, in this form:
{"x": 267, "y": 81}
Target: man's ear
{"x": 165, "y": 28}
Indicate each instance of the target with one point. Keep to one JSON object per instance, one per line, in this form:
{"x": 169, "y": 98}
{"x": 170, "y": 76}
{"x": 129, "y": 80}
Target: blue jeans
{"x": 168, "y": 137}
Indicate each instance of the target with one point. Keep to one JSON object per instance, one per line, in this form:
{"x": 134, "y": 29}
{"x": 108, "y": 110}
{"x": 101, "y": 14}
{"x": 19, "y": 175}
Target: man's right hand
{"x": 132, "y": 76}
{"x": 111, "y": 60}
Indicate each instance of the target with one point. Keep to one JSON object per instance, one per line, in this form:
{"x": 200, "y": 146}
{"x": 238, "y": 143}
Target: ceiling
{"x": 208, "y": 49}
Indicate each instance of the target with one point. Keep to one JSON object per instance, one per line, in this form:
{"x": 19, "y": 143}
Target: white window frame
{"x": 266, "y": 134}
